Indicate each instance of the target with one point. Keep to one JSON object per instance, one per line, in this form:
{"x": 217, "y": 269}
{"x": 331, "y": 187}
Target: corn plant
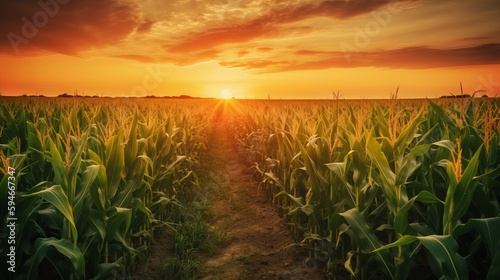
{"x": 383, "y": 189}
{"x": 96, "y": 180}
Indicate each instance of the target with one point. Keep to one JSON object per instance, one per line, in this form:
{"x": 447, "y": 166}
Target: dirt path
{"x": 256, "y": 239}
{"x": 259, "y": 239}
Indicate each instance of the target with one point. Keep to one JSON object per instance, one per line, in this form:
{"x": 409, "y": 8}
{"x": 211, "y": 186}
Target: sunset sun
{"x": 225, "y": 94}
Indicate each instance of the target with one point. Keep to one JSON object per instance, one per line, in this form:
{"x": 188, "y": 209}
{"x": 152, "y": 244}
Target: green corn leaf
{"x": 366, "y": 239}
{"x": 407, "y": 135}
{"x": 459, "y": 195}
{"x": 422, "y": 229}
{"x": 114, "y": 164}
{"x": 385, "y": 173}
{"x": 101, "y": 183}
{"x": 444, "y": 253}
{"x": 98, "y": 225}
{"x": 74, "y": 168}
{"x": 409, "y": 163}
{"x": 494, "y": 270}
{"x": 442, "y": 114}
{"x": 139, "y": 205}
{"x": 338, "y": 168}
{"x": 307, "y": 209}
{"x": 271, "y": 176}
{"x": 15, "y": 161}
{"x": 26, "y": 208}
{"x": 106, "y": 271}
{"x": 178, "y": 161}
{"x": 88, "y": 178}
{"x": 131, "y": 148}
{"x": 121, "y": 216}
{"x": 63, "y": 246}
{"x": 124, "y": 197}
{"x": 35, "y": 145}
{"x": 403, "y": 240}
{"x": 447, "y": 144}
{"x": 56, "y": 196}
{"x": 443, "y": 250}
{"x": 49, "y": 217}
{"x": 401, "y": 218}
{"x": 60, "y": 173}
{"x": 488, "y": 229}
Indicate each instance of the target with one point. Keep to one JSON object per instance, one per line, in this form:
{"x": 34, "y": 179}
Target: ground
{"x": 258, "y": 242}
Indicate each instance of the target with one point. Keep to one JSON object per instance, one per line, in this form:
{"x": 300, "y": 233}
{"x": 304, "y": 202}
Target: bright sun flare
{"x": 226, "y": 94}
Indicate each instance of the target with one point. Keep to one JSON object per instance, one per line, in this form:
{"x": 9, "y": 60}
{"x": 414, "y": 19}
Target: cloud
{"x": 405, "y": 58}
{"x": 270, "y": 22}
{"x": 265, "y": 49}
{"x": 187, "y": 32}
{"x": 309, "y": 52}
{"x": 145, "y": 26}
{"x": 139, "y": 58}
{"x": 66, "y": 26}
{"x": 252, "y": 64}
{"x": 242, "y": 53}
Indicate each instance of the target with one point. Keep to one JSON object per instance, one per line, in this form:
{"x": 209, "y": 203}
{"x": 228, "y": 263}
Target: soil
{"x": 258, "y": 243}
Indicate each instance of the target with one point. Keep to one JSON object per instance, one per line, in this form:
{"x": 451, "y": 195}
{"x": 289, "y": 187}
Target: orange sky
{"x": 250, "y": 49}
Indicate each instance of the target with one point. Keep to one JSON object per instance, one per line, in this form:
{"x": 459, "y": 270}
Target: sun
{"x": 226, "y": 94}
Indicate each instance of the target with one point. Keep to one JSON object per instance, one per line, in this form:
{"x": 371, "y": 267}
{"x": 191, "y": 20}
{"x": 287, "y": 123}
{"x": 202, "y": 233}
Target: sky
{"x": 250, "y": 49}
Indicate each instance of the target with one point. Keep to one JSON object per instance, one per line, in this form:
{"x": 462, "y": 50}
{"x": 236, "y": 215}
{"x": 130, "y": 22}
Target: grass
{"x": 193, "y": 237}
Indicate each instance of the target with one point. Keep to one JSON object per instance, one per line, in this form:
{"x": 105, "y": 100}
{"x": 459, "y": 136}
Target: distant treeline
{"x": 461, "y": 96}
{"x": 66, "y": 95}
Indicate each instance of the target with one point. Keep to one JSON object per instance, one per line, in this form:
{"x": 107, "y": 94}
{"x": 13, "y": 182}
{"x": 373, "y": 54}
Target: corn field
{"x": 95, "y": 180}
{"x": 392, "y": 189}
{"x": 383, "y": 189}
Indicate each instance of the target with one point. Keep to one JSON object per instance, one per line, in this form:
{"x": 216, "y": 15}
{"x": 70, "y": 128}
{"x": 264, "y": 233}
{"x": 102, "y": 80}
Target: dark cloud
{"x": 270, "y": 23}
{"x": 406, "y": 58}
{"x": 71, "y": 27}
{"x": 179, "y": 60}
{"x": 145, "y": 26}
{"x": 65, "y": 26}
{"x": 218, "y": 36}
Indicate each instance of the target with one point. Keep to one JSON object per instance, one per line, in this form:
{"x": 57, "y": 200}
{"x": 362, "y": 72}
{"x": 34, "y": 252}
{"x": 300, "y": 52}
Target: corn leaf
{"x": 56, "y": 196}
{"x": 401, "y": 218}
{"x": 367, "y": 240}
{"x": 114, "y": 164}
{"x": 444, "y": 252}
{"x": 459, "y": 195}
{"x": 119, "y": 217}
{"x": 63, "y": 246}
{"x": 494, "y": 270}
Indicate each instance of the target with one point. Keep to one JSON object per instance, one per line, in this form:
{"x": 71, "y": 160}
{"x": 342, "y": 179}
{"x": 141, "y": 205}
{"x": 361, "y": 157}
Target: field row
{"x": 380, "y": 189}
{"x": 383, "y": 189}
{"x": 94, "y": 181}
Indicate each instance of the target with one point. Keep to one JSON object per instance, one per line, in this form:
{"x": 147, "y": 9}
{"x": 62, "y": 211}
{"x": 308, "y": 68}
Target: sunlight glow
{"x": 226, "y": 94}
